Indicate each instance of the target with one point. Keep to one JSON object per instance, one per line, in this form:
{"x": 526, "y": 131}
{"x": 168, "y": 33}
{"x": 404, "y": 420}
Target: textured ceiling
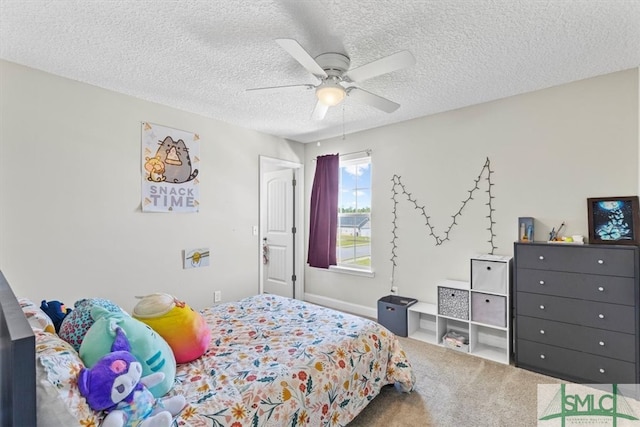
{"x": 200, "y": 56}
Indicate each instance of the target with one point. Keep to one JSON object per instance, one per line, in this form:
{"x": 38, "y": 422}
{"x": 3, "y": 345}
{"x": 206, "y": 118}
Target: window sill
{"x": 352, "y": 271}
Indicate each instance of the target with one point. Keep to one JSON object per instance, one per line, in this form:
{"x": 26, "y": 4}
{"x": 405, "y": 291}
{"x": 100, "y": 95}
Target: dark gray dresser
{"x": 577, "y": 311}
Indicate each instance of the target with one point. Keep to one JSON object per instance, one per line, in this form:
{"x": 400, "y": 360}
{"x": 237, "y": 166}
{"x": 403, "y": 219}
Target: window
{"x": 353, "y": 242}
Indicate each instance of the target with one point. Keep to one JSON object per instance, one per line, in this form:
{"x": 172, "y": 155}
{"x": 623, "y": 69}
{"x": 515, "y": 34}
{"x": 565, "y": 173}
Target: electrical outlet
{"x": 394, "y": 290}
{"x": 217, "y": 296}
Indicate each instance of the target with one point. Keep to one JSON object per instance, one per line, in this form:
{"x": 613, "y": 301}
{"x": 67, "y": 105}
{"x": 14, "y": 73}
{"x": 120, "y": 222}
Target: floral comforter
{"x": 274, "y": 361}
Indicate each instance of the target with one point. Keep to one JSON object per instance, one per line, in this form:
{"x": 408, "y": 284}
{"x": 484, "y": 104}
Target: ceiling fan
{"x": 336, "y": 80}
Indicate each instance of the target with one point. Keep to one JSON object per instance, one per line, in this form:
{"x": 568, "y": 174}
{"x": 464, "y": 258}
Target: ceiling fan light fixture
{"x": 330, "y": 94}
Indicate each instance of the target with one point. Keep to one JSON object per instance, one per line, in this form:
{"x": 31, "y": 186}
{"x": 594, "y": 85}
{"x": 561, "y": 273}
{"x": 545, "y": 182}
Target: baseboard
{"x": 347, "y": 307}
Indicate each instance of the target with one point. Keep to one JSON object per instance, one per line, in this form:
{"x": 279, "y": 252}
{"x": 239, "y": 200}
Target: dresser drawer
{"x": 571, "y": 363}
{"x": 613, "y": 317}
{"x": 590, "y": 340}
{"x": 589, "y": 259}
{"x": 612, "y": 289}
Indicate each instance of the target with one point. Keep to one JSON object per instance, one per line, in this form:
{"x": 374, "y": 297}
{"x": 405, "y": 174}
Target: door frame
{"x": 269, "y": 164}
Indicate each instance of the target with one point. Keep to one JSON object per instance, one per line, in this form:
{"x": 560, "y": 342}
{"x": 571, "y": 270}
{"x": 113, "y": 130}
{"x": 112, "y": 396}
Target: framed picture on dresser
{"x": 614, "y": 220}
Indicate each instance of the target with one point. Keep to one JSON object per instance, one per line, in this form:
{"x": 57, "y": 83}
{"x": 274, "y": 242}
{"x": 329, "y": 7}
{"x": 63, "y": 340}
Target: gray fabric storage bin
{"x": 392, "y": 313}
{"x": 453, "y": 302}
{"x": 490, "y": 276}
{"x": 489, "y": 309}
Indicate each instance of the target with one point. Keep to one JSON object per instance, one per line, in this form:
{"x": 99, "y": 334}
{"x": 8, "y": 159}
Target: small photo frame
{"x": 614, "y": 220}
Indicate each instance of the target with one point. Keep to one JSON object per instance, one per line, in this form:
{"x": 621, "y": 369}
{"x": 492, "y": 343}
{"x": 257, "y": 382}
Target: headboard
{"x": 17, "y": 362}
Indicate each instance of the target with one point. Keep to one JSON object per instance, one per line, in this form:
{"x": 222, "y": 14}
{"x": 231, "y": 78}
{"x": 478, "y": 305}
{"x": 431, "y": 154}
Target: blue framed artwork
{"x": 613, "y": 220}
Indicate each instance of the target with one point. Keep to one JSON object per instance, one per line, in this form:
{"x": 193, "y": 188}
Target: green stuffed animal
{"x": 147, "y": 346}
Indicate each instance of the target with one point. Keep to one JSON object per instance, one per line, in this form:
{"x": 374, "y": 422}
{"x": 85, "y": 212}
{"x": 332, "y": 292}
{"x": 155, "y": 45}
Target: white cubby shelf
{"x": 479, "y": 310}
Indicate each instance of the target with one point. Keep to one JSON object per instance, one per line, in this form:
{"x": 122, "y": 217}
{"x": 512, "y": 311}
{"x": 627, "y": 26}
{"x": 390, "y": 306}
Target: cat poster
{"x": 170, "y": 159}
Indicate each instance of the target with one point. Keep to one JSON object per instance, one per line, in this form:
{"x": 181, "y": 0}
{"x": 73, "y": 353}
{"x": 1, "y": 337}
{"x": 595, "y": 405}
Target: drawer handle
{"x": 600, "y": 261}
{"x": 542, "y": 307}
{"x": 601, "y": 343}
{"x": 542, "y": 331}
{"x": 542, "y": 282}
{"x": 542, "y": 356}
{"x": 601, "y": 370}
{"x": 600, "y": 288}
{"x": 489, "y": 267}
{"x": 601, "y": 316}
{"x": 541, "y": 257}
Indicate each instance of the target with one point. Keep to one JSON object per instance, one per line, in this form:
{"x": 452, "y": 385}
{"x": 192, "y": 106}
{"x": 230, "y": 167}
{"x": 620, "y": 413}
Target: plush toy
{"x": 184, "y": 329}
{"x": 147, "y": 346}
{"x": 115, "y": 384}
{"x": 77, "y": 323}
{"x": 56, "y": 311}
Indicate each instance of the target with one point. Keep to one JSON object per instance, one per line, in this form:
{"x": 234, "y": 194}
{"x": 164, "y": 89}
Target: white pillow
{"x": 38, "y": 319}
{"x": 59, "y": 401}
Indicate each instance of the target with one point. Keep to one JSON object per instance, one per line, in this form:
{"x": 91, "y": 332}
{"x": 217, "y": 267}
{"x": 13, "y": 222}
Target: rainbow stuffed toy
{"x": 184, "y": 329}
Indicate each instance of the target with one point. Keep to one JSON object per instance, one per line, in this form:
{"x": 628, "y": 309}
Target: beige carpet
{"x": 454, "y": 389}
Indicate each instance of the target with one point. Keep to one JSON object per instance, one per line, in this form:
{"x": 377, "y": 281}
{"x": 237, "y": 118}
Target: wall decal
{"x": 399, "y": 188}
{"x": 169, "y": 182}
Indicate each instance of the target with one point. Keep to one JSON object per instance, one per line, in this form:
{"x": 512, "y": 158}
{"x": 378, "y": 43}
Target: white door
{"x": 278, "y": 234}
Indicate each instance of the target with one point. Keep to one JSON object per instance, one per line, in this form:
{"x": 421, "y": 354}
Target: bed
{"x": 272, "y": 361}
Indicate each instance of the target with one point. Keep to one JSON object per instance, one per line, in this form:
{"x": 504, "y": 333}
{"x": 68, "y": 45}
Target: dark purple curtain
{"x": 323, "y": 225}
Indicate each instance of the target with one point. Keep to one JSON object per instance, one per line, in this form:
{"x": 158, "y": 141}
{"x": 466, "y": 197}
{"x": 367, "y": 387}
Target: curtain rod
{"x": 367, "y": 151}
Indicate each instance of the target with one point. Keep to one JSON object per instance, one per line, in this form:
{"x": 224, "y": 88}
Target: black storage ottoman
{"x": 392, "y": 313}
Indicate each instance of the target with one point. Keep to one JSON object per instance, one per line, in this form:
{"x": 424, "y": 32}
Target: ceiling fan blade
{"x": 319, "y": 111}
{"x": 374, "y": 100}
{"x": 280, "y": 88}
{"x": 396, "y": 61}
{"x": 301, "y": 55}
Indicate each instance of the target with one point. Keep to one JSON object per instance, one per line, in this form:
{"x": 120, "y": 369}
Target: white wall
{"x": 70, "y": 220}
{"x": 549, "y": 150}
{"x": 71, "y": 225}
